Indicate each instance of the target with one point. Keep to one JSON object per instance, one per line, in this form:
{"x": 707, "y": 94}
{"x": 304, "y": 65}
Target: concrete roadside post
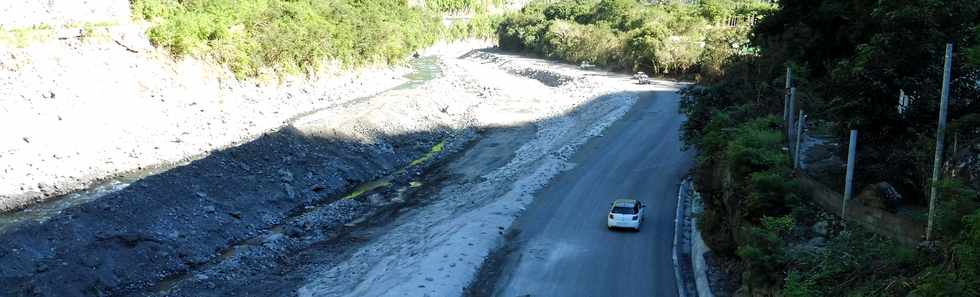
{"x": 956, "y": 143}
{"x": 849, "y": 179}
{"x": 799, "y": 135}
{"x": 789, "y": 82}
{"x": 790, "y": 112}
{"x": 786, "y": 107}
{"x": 679, "y": 218}
{"x": 940, "y": 135}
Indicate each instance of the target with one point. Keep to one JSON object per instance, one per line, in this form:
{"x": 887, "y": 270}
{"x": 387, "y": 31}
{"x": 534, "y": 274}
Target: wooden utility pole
{"x": 940, "y": 135}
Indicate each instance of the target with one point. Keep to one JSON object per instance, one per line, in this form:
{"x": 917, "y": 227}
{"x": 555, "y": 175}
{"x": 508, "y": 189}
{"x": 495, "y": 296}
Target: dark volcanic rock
{"x": 167, "y": 224}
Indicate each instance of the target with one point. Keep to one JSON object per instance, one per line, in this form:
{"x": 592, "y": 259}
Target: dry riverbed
{"x": 404, "y": 193}
{"x": 77, "y": 111}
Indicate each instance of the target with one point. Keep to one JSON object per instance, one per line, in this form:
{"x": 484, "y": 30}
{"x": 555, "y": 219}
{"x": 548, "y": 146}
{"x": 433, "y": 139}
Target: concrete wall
{"x": 876, "y": 220}
{"x": 27, "y": 13}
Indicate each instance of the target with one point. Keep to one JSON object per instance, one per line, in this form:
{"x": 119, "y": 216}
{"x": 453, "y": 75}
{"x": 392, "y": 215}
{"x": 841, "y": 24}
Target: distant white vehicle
{"x": 642, "y": 78}
{"x": 625, "y": 213}
{"x": 586, "y": 65}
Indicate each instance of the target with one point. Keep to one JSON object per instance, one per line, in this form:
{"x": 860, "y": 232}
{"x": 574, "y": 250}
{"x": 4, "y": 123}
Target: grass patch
{"x": 367, "y": 187}
{"x": 386, "y": 182}
{"x": 24, "y": 37}
{"x": 436, "y": 149}
{"x": 21, "y": 38}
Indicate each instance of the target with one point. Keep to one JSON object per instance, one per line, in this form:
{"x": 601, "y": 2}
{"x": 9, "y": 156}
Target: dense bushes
{"x": 858, "y": 56}
{"x": 479, "y": 6}
{"x": 631, "y": 35}
{"x": 958, "y": 277}
{"x": 289, "y": 36}
{"x": 749, "y": 195}
{"x": 481, "y": 26}
{"x": 756, "y": 185}
{"x": 850, "y": 59}
{"x": 296, "y": 36}
{"x": 764, "y": 253}
{"x": 853, "y": 263}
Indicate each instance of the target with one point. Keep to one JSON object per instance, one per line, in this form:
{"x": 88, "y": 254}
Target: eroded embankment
{"x": 270, "y": 217}
{"x": 284, "y": 184}
{"x": 82, "y": 108}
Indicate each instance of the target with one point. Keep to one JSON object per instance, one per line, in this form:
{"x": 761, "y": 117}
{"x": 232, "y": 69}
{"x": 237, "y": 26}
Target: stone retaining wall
{"x": 876, "y": 220}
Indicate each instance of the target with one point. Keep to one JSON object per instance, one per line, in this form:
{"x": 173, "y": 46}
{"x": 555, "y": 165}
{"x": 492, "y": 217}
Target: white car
{"x": 625, "y": 213}
{"x": 642, "y": 78}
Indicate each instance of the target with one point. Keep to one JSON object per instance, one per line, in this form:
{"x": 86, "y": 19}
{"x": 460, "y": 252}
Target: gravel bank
{"x": 437, "y": 249}
{"x": 81, "y": 110}
{"x": 267, "y": 216}
{"x": 282, "y": 191}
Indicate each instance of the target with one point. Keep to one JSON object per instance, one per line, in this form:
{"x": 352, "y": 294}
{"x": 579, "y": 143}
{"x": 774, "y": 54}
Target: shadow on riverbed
{"x": 179, "y": 219}
{"x": 245, "y": 210}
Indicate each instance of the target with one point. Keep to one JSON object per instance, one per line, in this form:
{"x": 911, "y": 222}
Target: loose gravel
{"x": 259, "y": 208}
{"x": 77, "y": 111}
{"x": 437, "y": 249}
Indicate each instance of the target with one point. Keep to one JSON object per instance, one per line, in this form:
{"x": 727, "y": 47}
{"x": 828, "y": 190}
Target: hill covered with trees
{"x": 298, "y": 36}
{"x": 668, "y": 38}
{"x": 851, "y": 61}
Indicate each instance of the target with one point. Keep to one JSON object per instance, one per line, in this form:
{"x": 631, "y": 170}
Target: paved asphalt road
{"x": 564, "y": 248}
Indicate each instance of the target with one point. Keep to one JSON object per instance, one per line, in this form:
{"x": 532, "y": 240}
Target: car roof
{"x": 625, "y": 202}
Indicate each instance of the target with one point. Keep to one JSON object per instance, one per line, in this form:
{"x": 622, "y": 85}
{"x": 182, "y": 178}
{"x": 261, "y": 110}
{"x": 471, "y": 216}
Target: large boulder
{"x": 881, "y": 195}
{"x": 966, "y": 164}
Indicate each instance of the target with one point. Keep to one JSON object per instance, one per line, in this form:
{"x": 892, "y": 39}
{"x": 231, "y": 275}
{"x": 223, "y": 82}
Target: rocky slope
{"x": 80, "y": 107}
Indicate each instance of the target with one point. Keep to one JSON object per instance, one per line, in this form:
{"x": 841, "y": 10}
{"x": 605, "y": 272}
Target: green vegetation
{"x": 479, "y": 6}
{"x": 850, "y": 59}
{"x": 854, "y": 263}
{"x": 669, "y": 38}
{"x": 288, "y": 36}
{"x": 480, "y": 26}
{"x": 367, "y": 187}
{"x": 435, "y": 150}
{"x": 386, "y": 181}
{"x": 296, "y": 36}
{"x": 23, "y": 37}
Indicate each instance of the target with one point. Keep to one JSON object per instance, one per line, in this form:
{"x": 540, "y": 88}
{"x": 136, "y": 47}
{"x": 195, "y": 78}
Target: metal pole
{"x": 940, "y": 135}
{"x": 849, "y": 180}
{"x": 792, "y": 109}
{"x": 799, "y": 135}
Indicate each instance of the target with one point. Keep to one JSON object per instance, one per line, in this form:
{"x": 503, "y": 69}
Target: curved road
{"x": 564, "y": 248}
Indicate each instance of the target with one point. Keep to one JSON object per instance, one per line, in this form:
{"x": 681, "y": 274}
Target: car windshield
{"x": 623, "y": 210}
